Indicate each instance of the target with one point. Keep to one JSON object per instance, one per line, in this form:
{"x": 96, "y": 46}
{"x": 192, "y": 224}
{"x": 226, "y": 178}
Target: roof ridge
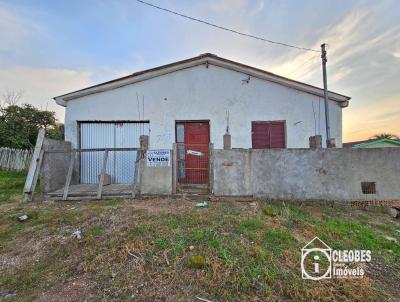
{"x": 62, "y": 99}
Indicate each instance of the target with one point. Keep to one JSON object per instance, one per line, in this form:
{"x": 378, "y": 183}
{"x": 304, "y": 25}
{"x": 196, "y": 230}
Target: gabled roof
{"x": 203, "y": 59}
{"x": 378, "y": 141}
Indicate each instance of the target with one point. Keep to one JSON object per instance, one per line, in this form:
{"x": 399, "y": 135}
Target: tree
{"x": 19, "y": 125}
{"x": 384, "y": 135}
{"x": 11, "y": 98}
{"x": 56, "y": 132}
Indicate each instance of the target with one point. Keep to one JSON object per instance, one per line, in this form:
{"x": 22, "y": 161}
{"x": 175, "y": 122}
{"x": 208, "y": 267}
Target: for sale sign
{"x": 158, "y": 158}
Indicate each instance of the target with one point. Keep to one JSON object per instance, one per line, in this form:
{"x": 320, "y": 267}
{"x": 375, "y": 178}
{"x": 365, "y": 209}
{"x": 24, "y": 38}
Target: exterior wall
{"x": 299, "y": 174}
{"x": 201, "y": 93}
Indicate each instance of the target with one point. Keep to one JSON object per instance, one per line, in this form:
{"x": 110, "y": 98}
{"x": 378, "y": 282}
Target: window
{"x": 180, "y": 133}
{"x": 368, "y": 187}
{"x": 268, "y": 134}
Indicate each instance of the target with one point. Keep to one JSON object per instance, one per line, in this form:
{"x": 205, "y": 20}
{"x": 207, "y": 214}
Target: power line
{"x": 306, "y": 71}
{"x": 299, "y": 67}
{"x": 225, "y": 28}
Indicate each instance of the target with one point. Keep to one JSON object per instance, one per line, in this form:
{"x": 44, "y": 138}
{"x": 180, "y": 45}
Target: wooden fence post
{"x": 30, "y": 185}
{"x": 36, "y": 176}
{"x": 69, "y": 174}
{"x": 103, "y": 171}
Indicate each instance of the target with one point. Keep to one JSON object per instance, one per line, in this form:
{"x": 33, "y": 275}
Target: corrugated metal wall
{"x": 121, "y": 164}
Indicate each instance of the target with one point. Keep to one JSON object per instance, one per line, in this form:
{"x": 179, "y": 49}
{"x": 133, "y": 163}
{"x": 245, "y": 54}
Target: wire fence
{"x": 15, "y": 159}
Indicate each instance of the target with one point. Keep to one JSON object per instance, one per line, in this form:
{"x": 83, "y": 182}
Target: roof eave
{"x": 60, "y": 101}
{"x": 202, "y": 59}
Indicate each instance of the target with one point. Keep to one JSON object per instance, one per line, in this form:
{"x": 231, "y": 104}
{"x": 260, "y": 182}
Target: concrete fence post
{"x": 315, "y": 142}
{"x": 144, "y": 145}
{"x": 227, "y": 141}
{"x": 144, "y": 142}
{"x": 331, "y": 143}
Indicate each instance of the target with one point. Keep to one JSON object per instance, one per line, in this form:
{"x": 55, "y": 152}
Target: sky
{"x": 48, "y": 48}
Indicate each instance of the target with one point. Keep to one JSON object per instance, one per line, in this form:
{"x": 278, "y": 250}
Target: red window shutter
{"x": 259, "y": 132}
{"x": 277, "y": 135}
{"x": 266, "y": 135}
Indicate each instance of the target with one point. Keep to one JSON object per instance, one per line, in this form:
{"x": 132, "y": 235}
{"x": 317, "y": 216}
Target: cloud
{"x": 349, "y": 41}
{"x": 343, "y": 36}
{"x": 40, "y": 85}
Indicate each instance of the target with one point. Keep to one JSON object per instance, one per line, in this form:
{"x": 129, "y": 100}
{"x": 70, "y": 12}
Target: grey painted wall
{"x": 54, "y": 168}
{"x": 154, "y": 180}
{"x": 328, "y": 174}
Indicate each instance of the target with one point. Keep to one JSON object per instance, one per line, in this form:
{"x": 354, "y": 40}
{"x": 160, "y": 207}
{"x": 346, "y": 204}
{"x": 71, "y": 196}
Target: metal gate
{"x": 121, "y": 164}
{"x": 192, "y": 142}
{"x": 193, "y": 163}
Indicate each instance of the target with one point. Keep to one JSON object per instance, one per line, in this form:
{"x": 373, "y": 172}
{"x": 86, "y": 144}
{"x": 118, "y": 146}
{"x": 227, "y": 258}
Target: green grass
{"x": 345, "y": 234}
{"x": 11, "y": 184}
{"x": 95, "y": 231}
{"x": 248, "y": 254}
{"x": 278, "y": 241}
{"x": 112, "y": 202}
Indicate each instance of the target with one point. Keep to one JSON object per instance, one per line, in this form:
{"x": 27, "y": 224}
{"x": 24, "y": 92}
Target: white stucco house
{"x": 187, "y": 102}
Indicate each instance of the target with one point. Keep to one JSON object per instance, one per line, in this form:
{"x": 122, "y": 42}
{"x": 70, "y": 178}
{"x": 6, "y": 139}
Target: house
{"x": 193, "y": 102}
{"x": 374, "y": 143}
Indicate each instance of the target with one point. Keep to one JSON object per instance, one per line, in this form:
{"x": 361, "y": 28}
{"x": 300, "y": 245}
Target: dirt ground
{"x": 143, "y": 249}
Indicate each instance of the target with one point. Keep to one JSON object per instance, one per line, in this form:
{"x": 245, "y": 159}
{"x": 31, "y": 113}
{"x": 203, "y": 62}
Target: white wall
{"x": 201, "y": 93}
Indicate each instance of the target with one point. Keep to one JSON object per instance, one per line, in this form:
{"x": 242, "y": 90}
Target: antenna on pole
{"x": 327, "y": 124}
{"x": 227, "y": 121}
{"x": 227, "y": 135}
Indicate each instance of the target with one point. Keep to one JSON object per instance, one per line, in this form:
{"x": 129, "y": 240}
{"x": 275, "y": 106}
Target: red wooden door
{"x": 267, "y": 135}
{"x": 194, "y": 168}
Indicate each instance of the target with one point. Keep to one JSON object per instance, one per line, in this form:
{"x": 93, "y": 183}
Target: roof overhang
{"x": 206, "y": 59}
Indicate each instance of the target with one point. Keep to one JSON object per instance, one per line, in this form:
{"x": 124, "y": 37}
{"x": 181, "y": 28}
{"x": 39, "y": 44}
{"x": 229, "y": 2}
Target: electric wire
{"x": 305, "y": 72}
{"x": 299, "y": 67}
{"x": 225, "y": 28}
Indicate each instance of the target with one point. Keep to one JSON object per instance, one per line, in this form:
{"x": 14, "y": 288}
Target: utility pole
{"x": 327, "y": 124}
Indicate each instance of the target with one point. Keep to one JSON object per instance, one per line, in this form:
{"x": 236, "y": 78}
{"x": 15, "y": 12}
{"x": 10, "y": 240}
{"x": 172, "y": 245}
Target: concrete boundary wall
{"x": 56, "y": 160}
{"x": 54, "y": 169}
{"x": 155, "y": 180}
{"x": 306, "y": 174}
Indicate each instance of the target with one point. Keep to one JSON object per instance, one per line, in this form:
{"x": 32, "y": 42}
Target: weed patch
{"x": 243, "y": 253}
{"x": 278, "y": 241}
